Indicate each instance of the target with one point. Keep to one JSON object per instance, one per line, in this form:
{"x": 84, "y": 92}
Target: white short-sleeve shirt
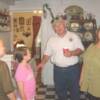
{"x": 55, "y": 45}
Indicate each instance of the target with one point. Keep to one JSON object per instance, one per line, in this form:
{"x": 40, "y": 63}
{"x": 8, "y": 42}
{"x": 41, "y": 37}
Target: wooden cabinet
{"x": 85, "y": 28}
{"x": 83, "y": 25}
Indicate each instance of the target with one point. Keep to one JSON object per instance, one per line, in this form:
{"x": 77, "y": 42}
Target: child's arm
{"x": 11, "y": 96}
{"x": 21, "y": 90}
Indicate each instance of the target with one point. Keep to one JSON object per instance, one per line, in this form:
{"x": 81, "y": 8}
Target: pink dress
{"x": 24, "y": 73}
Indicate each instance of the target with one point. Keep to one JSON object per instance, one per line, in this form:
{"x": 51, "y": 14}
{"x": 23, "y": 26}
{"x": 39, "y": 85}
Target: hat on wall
{"x": 58, "y": 18}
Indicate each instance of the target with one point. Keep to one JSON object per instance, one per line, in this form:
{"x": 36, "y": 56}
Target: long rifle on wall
{"x": 49, "y": 9}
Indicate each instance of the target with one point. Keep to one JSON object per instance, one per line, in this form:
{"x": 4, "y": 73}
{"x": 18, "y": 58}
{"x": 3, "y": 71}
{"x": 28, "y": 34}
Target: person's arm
{"x": 76, "y": 52}
{"x": 78, "y": 46}
{"x": 21, "y": 90}
{"x": 81, "y": 76}
{"x": 43, "y": 61}
{"x": 11, "y": 96}
{"x": 7, "y": 82}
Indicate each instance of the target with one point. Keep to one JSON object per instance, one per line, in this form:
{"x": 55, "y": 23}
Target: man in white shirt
{"x": 63, "y": 49}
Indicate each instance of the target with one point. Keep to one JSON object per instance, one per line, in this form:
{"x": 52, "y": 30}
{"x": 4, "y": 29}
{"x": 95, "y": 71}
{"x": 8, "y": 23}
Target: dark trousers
{"x": 67, "y": 78}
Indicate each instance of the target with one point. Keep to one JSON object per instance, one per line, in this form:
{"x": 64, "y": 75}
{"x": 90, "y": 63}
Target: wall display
{"x": 84, "y": 26}
{"x": 22, "y": 27}
{"x": 21, "y": 21}
{"x": 4, "y": 20}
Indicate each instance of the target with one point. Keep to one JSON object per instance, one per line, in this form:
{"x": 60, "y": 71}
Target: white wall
{"x": 58, "y": 6}
{"x": 26, "y": 5}
{"x": 3, "y": 5}
{"x": 8, "y": 2}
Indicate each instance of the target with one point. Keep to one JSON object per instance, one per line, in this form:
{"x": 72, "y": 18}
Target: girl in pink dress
{"x": 24, "y": 74}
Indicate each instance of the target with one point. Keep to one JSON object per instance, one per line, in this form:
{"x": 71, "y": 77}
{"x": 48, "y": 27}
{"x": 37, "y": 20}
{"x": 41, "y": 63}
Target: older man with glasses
{"x": 63, "y": 49}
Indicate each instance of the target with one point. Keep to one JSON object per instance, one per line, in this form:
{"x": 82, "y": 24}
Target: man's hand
{"x": 40, "y": 66}
{"x": 43, "y": 61}
{"x": 67, "y": 53}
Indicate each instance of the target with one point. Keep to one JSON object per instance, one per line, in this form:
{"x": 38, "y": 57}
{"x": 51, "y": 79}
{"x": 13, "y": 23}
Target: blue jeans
{"x": 65, "y": 79}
